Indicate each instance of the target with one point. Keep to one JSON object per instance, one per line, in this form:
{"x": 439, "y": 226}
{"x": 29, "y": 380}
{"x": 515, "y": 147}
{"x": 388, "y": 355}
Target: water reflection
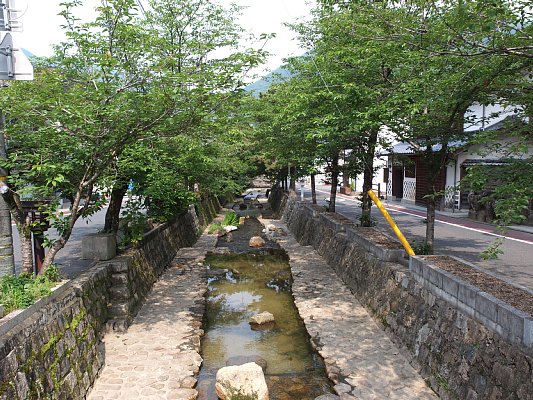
{"x": 241, "y": 286}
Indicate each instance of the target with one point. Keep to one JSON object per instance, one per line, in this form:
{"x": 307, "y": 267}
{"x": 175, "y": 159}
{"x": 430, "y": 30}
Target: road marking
{"x": 443, "y": 222}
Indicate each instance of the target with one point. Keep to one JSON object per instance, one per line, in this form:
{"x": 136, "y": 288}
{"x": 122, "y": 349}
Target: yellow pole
{"x": 392, "y": 224}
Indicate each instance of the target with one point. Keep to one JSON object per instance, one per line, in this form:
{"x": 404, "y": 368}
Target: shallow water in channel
{"x": 241, "y": 286}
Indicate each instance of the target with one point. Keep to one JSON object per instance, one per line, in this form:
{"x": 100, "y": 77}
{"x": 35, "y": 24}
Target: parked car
{"x": 253, "y": 195}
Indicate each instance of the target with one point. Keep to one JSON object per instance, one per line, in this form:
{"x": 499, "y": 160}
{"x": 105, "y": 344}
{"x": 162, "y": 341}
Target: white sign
{"x": 14, "y": 65}
{"x": 10, "y": 13}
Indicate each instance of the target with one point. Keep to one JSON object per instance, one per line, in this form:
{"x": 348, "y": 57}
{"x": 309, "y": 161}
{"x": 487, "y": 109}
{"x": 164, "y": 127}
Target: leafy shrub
{"x": 421, "y": 248}
{"x": 230, "y": 218}
{"x": 22, "y": 291}
{"x": 493, "y": 251}
{"x": 53, "y": 273}
{"x": 214, "y": 227}
{"x": 133, "y": 222}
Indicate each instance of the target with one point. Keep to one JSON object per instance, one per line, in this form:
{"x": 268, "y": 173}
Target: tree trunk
{"x": 7, "y": 263}
{"x": 65, "y": 236}
{"x": 292, "y": 173}
{"x": 313, "y": 188}
{"x": 368, "y": 174}
{"x": 334, "y": 182}
{"x": 345, "y": 179}
{"x": 112, "y": 216}
{"x": 366, "y": 214}
{"x": 7, "y": 259}
{"x": 12, "y": 200}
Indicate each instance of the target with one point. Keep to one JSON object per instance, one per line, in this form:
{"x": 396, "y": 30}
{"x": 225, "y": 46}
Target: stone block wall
{"x": 54, "y": 348}
{"x": 460, "y": 356}
{"x": 207, "y": 210}
{"x": 512, "y": 324}
{"x": 134, "y": 273}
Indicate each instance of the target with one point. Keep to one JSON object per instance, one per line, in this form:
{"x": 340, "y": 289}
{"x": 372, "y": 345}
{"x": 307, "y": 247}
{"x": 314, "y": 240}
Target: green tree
{"x": 91, "y": 100}
{"x": 197, "y": 58}
{"x": 433, "y": 58}
{"x": 438, "y": 89}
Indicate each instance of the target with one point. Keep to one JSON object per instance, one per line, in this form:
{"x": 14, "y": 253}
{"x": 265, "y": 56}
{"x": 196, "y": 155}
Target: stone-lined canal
{"x": 239, "y": 287}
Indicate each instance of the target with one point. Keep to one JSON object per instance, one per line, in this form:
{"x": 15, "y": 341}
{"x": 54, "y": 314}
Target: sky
{"x": 42, "y": 25}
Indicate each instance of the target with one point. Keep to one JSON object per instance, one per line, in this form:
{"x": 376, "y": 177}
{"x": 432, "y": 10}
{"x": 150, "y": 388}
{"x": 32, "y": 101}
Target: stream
{"x": 240, "y": 286}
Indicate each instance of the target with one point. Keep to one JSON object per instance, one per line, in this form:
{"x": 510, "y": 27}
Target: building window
{"x": 410, "y": 171}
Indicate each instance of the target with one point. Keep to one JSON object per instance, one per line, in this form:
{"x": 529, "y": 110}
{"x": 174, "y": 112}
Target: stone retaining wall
{"x": 509, "y": 322}
{"x": 461, "y": 357}
{"x": 53, "y": 349}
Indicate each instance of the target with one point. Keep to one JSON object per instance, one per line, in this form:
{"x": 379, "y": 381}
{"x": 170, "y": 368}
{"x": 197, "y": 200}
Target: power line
{"x": 141, "y": 7}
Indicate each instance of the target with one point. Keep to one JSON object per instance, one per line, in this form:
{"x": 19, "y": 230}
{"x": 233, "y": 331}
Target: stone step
{"x": 118, "y": 324}
{"x": 120, "y": 309}
{"x": 119, "y": 292}
{"x": 119, "y": 278}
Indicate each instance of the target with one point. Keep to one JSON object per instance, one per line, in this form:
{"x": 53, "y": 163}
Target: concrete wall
{"x": 461, "y": 357}
{"x": 54, "y": 348}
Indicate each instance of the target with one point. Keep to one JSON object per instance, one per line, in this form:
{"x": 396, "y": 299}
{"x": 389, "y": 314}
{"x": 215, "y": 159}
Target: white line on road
{"x": 448, "y": 223}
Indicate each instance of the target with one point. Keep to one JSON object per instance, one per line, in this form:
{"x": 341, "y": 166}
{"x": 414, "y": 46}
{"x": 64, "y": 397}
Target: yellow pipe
{"x": 392, "y": 224}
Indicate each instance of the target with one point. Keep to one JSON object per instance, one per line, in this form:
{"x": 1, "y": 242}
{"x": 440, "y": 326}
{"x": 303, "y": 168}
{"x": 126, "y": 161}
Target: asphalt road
{"x": 454, "y": 236}
{"x": 460, "y": 237}
{"x": 69, "y": 258}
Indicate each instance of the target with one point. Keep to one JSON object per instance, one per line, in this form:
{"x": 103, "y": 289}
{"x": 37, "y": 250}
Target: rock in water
{"x": 256, "y": 241}
{"x": 241, "y": 382}
{"x": 230, "y": 228}
{"x": 262, "y": 318}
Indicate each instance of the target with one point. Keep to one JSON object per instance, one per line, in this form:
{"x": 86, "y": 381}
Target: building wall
{"x": 474, "y": 152}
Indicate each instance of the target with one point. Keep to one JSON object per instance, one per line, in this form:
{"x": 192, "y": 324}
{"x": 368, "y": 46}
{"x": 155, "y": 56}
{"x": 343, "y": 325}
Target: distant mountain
{"x": 264, "y": 83}
{"x": 28, "y": 54}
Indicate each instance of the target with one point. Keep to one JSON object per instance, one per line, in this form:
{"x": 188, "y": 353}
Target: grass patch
{"x": 230, "y": 218}
{"x": 17, "y": 292}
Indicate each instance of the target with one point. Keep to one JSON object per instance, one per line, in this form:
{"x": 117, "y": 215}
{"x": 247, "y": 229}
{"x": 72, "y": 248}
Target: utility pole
{"x": 7, "y": 259}
{"x": 13, "y": 66}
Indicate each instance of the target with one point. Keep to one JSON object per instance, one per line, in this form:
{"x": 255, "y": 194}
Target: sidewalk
{"x": 459, "y": 214}
{"x": 458, "y": 217}
{"x": 158, "y": 357}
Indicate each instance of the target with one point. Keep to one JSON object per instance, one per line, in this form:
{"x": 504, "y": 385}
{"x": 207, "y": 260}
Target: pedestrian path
{"x": 158, "y": 357}
{"x": 359, "y": 356}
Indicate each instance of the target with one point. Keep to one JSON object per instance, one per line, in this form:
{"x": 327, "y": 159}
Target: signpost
{"x": 14, "y": 65}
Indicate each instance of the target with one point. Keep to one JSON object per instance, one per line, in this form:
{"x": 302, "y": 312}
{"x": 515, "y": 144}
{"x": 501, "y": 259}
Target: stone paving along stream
{"x": 159, "y": 356}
